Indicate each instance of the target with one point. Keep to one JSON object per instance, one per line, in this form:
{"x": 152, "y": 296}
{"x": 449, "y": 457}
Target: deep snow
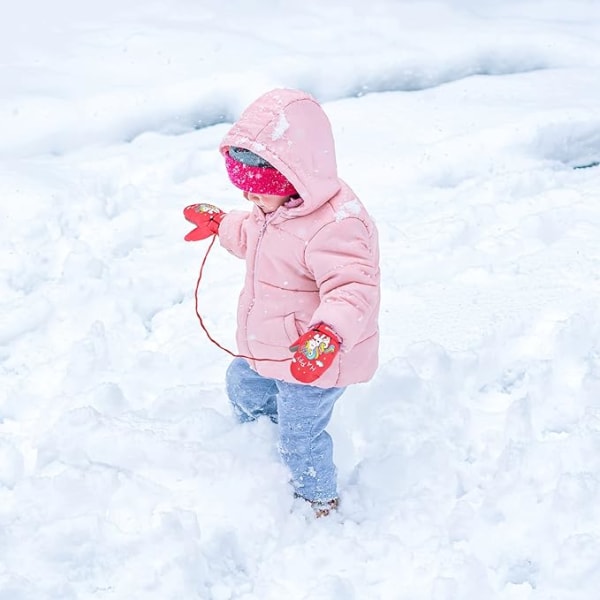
{"x": 469, "y": 467}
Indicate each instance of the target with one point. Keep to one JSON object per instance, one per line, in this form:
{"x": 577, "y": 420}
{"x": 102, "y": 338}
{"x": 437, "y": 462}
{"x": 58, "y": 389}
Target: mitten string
{"x": 201, "y": 321}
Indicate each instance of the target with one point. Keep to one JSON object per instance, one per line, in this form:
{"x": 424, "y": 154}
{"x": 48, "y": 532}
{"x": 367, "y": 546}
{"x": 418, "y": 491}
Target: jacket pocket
{"x": 291, "y": 327}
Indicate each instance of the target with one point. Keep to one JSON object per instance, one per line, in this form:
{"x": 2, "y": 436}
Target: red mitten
{"x": 206, "y": 218}
{"x": 313, "y": 353}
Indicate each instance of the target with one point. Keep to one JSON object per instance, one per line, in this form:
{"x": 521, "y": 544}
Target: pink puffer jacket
{"x": 316, "y": 263}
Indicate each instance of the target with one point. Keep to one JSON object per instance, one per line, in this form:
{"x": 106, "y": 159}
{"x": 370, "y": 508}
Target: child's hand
{"x": 207, "y": 219}
{"x": 313, "y": 353}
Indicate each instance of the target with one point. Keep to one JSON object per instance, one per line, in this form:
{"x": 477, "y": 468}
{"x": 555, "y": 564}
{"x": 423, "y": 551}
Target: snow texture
{"x": 281, "y": 127}
{"x": 469, "y": 467}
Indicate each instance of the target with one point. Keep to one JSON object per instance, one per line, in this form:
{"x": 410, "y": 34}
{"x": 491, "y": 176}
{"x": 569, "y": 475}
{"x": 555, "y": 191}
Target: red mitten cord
{"x": 314, "y": 353}
{"x": 191, "y": 213}
{"x": 206, "y": 218}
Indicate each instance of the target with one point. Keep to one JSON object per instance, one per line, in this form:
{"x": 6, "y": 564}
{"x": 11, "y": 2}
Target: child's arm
{"x": 232, "y": 232}
{"x": 344, "y": 260}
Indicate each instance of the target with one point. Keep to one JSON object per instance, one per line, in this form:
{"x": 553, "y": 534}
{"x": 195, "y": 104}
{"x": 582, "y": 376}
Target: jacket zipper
{"x": 261, "y": 234}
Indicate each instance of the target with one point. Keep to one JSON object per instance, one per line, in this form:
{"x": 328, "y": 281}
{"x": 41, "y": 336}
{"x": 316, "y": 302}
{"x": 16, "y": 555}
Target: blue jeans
{"x": 302, "y": 412}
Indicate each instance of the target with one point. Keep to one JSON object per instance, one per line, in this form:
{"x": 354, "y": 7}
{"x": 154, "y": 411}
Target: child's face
{"x": 266, "y": 202}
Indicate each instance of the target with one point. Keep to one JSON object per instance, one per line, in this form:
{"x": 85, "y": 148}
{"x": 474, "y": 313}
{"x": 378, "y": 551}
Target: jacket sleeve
{"x": 232, "y": 232}
{"x": 344, "y": 260}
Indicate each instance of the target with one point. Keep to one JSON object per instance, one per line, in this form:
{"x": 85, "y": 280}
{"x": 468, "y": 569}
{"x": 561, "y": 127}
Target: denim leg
{"x": 250, "y": 394}
{"x": 305, "y": 447}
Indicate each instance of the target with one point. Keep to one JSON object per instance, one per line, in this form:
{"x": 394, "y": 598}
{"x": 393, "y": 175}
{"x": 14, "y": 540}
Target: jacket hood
{"x": 290, "y": 130}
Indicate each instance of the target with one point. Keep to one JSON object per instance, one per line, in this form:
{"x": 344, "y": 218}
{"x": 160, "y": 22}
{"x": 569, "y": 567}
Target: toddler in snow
{"x": 310, "y": 300}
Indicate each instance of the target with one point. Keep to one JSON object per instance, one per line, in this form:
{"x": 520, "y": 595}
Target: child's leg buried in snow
{"x": 251, "y": 395}
{"x": 302, "y": 413}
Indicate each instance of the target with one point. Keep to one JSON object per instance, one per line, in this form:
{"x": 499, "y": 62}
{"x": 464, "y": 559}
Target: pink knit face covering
{"x": 250, "y": 173}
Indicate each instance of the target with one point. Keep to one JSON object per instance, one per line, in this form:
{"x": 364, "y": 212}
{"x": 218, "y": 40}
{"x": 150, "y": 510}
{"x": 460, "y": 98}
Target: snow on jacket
{"x": 316, "y": 263}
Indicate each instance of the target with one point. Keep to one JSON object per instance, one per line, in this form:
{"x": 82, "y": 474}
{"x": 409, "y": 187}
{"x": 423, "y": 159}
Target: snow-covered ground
{"x": 469, "y": 467}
